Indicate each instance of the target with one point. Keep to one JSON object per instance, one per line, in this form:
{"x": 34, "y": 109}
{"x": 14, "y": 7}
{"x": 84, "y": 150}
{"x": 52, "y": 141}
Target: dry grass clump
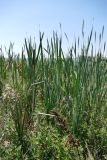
{"x": 9, "y": 94}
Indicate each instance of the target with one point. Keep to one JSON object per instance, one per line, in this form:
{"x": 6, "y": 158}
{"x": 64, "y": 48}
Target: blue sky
{"x": 24, "y": 18}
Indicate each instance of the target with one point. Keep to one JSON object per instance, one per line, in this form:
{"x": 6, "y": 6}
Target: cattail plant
{"x": 75, "y": 84}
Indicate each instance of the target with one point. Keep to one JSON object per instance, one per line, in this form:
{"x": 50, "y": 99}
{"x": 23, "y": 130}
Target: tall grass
{"x": 74, "y": 86}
